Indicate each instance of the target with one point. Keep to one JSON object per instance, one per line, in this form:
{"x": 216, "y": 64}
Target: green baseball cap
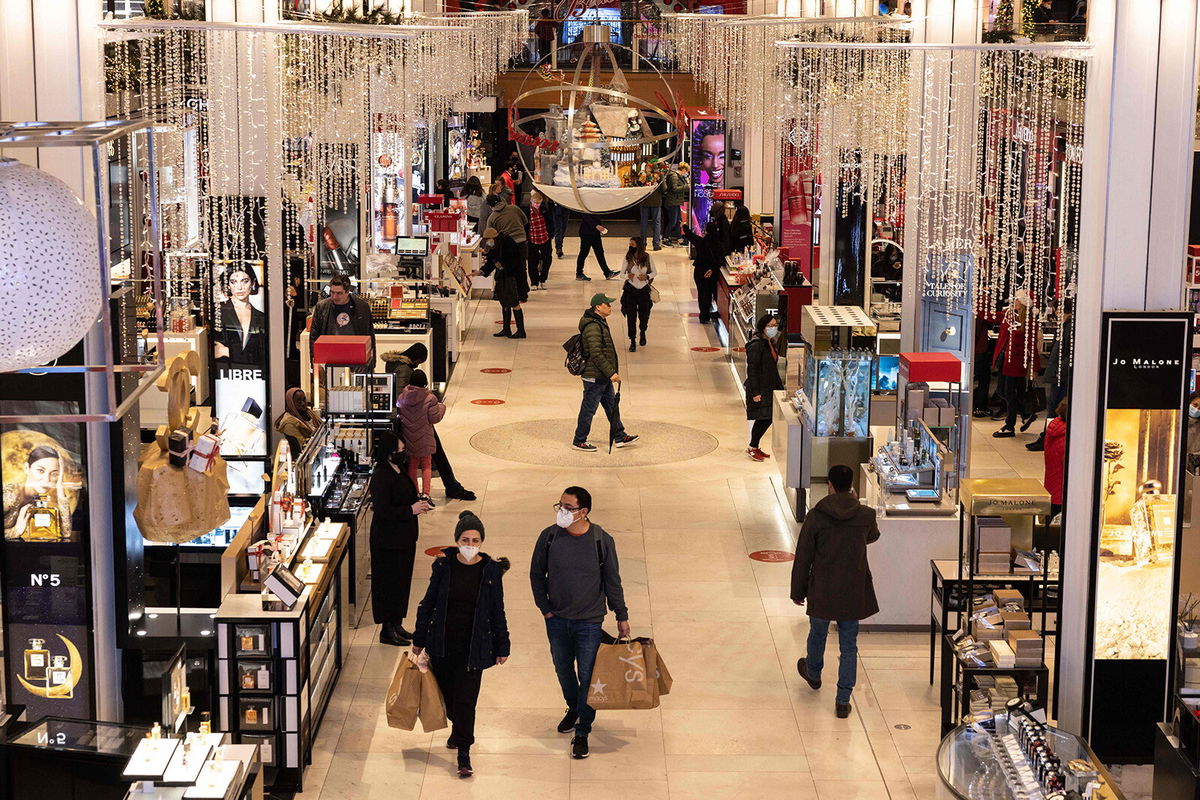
{"x": 600, "y": 298}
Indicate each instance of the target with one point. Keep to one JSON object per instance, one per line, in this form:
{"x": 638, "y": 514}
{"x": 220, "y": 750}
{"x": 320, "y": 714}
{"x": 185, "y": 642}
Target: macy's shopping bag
{"x": 627, "y": 675}
{"x": 414, "y": 694}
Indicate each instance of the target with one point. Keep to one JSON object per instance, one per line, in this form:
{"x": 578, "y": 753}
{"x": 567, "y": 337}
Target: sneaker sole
{"x": 624, "y": 444}
{"x": 586, "y": 450}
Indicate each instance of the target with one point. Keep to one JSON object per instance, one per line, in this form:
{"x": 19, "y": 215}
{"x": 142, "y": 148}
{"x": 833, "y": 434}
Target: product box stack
{"x": 993, "y": 546}
{"x": 1025, "y": 643}
{"x": 992, "y": 692}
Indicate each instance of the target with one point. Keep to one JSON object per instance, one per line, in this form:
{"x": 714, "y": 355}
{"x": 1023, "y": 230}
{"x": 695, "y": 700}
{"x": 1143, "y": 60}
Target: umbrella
{"x": 615, "y": 415}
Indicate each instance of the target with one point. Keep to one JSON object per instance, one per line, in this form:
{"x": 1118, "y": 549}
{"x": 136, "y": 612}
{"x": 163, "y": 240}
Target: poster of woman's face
{"x": 240, "y": 353}
{"x": 43, "y": 479}
{"x": 708, "y": 167}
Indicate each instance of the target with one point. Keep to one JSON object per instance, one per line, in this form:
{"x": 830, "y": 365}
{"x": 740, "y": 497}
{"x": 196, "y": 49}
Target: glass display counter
{"x": 69, "y": 759}
{"x": 973, "y": 764}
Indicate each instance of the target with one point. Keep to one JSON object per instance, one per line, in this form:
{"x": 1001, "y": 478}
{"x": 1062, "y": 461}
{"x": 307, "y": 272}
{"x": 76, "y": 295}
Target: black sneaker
{"x": 842, "y": 709}
{"x": 459, "y": 493}
{"x": 1037, "y": 446}
{"x": 1004, "y": 433}
{"x": 802, "y": 668}
{"x": 427, "y": 499}
{"x": 642, "y": 339}
{"x": 584, "y": 447}
{"x": 608, "y": 276}
{"x": 464, "y": 763}
{"x": 626, "y": 439}
{"x": 567, "y": 724}
{"x": 579, "y": 747}
{"x": 1025, "y": 423}
{"x": 450, "y": 745}
{"x": 582, "y": 278}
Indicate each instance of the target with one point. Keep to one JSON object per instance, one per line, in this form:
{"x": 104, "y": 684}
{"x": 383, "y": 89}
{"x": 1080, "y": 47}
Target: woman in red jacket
{"x": 1012, "y": 352}
{"x": 1055, "y": 457}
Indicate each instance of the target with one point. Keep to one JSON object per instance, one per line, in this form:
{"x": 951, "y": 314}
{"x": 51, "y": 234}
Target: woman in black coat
{"x": 393, "y": 538}
{"x": 504, "y": 258}
{"x": 741, "y": 231}
{"x": 762, "y": 378}
{"x": 707, "y": 257}
{"x": 462, "y": 628}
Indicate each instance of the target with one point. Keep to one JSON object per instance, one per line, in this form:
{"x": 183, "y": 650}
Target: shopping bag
{"x": 664, "y": 676}
{"x": 625, "y": 675}
{"x": 433, "y": 707}
{"x": 404, "y": 696}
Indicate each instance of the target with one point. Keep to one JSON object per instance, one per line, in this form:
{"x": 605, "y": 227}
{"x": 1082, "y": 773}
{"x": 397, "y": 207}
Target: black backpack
{"x": 576, "y": 360}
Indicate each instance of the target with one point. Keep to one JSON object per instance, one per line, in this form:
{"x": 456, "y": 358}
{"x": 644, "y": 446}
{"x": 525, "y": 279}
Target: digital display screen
{"x": 412, "y": 245}
{"x": 887, "y": 372}
{"x": 572, "y": 26}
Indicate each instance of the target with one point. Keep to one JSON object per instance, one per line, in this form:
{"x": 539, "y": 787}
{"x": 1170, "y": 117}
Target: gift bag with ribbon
{"x": 626, "y": 674}
{"x": 414, "y": 694}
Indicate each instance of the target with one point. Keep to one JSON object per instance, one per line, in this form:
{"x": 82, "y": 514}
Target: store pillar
{"x": 1136, "y": 179}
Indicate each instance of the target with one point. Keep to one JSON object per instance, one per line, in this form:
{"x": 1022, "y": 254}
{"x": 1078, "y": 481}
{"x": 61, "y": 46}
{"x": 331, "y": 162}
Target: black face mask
{"x": 397, "y": 458}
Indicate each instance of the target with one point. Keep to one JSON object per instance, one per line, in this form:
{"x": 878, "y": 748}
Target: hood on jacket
{"x": 590, "y": 316}
{"x": 839, "y": 505}
{"x": 503, "y": 563}
{"x": 413, "y": 396}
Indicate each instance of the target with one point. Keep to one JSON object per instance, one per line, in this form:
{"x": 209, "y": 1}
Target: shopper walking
{"x": 419, "y": 412}
{"x": 402, "y": 365}
{"x": 1058, "y": 371}
{"x": 561, "y": 215}
{"x": 511, "y": 221}
{"x": 462, "y": 628}
{"x": 343, "y": 314}
{"x": 600, "y": 376}
{"x": 541, "y": 218}
{"x": 1054, "y": 457}
{"x": 590, "y": 233}
{"x": 576, "y": 578}
{"x": 675, "y": 194}
{"x": 1016, "y": 363}
{"x": 472, "y": 191}
{"x": 298, "y": 422}
{"x": 635, "y": 294}
{"x": 832, "y": 576}
{"x": 762, "y": 380}
{"x": 504, "y": 259}
{"x": 707, "y": 258}
{"x": 394, "y": 531}
{"x": 650, "y": 213}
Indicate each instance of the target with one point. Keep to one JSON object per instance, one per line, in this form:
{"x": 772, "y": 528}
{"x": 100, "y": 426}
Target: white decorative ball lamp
{"x": 49, "y": 290}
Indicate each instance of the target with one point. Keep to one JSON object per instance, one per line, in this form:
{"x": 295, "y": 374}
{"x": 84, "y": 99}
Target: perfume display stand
{"x": 276, "y": 669}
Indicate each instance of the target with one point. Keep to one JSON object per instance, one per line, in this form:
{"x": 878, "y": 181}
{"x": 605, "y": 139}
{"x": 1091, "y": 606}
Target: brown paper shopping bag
{"x": 625, "y": 676}
{"x": 404, "y": 696}
{"x": 433, "y": 707}
{"x": 664, "y": 676}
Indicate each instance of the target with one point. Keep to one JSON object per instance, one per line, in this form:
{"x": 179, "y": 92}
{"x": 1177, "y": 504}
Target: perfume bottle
{"x": 44, "y": 524}
{"x": 156, "y": 731}
{"x": 205, "y": 722}
{"x": 248, "y": 680}
{"x": 60, "y": 675}
{"x": 37, "y": 661}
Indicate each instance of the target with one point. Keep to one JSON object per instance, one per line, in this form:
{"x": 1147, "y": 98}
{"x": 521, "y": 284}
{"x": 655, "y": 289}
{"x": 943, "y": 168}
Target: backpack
{"x": 576, "y": 360}
{"x": 599, "y": 552}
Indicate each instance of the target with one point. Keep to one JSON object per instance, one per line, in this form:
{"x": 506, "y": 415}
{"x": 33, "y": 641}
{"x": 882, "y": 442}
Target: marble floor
{"x": 739, "y": 721}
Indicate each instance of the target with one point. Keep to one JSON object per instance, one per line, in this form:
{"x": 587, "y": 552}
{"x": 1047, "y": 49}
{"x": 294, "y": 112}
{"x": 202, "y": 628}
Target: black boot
{"x": 642, "y": 339}
{"x": 389, "y": 633}
{"x": 519, "y": 315}
{"x": 1039, "y": 445}
{"x": 506, "y": 330}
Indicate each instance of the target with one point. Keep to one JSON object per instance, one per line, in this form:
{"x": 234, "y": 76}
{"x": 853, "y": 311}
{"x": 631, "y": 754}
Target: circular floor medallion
{"x": 487, "y": 401}
{"x": 772, "y": 556}
{"x": 434, "y": 552}
{"x": 706, "y": 349}
{"x": 548, "y": 443}
{"x": 495, "y": 371}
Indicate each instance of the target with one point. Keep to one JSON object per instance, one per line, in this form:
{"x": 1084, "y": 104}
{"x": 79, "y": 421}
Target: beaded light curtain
{"x": 991, "y": 141}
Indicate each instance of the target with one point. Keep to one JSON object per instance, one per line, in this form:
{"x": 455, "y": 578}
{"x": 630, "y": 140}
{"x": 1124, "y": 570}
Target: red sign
{"x": 706, "y": 349}
{"x": 773, "y": 556}
{"x": 727, "y": 194}
{"x": 488, "y": 401}
{"x": 495, "y": 371}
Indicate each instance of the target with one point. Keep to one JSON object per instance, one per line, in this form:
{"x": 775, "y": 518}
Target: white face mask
{"x": 564, "y": 518}
{"x": 1194, "y": 412}
{"x": 772, "y": 331}
{"x": 468, "y": 552}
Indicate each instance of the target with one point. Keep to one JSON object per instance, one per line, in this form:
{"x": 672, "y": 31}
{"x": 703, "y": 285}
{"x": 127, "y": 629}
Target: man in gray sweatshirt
{"x": 574, "y": 572}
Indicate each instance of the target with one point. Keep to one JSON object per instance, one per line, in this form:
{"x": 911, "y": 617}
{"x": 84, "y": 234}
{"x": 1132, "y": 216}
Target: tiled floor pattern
{"x": 739, "y": 721}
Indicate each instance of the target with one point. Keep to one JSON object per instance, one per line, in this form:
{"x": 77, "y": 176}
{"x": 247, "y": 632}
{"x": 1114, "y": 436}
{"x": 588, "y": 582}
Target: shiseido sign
{"x": 1146, "y": 359}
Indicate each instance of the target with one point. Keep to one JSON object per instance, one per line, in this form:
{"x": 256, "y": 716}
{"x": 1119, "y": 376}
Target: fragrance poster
{"x": 1145, "y": 370}
{"x": 42, "y": 470}
{"x": 797, "y": 201}
{"x": 708, "y": 167}
{"x": 239, "y": 353}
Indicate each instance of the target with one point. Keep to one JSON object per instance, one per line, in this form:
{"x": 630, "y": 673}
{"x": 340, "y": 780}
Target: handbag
{"x": 655, "y": 296}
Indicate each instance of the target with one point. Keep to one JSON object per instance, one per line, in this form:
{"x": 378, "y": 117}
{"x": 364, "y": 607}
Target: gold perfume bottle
{"x": 60, "y": 675}
{"x": 252, "y": 715}
{"x": 37, "y": 661}
{"x": 44, "y": 524}
{"x": 248, "y": 680}
{"x": 205, "y": 722}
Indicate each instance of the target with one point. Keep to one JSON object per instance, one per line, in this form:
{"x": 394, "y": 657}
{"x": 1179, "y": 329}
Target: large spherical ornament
{"x": 598, "y": 148}
{"x": 49, "y": 286}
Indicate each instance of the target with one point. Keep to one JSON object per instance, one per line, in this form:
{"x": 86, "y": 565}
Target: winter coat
{"x": 505, "y": 260}
{"x": 419, "y": 410}
{"x": 401, "y": 366}
{"x": 762, "y": 377}
{"x": 598, "y": 347}
{"x": 489, "y": 635}
{"x": 675, "y": 189}
{"x": 654, "y": 199}
{"x": 708, "y": 254}
{"x": 1010, "y": 351}
{"x": 475, "y": 205}
{"x": 394, "y": 523}
{"x": 741, "y": 236}
{"x": 1054, "y": 455}
{"x": 831, "y": 572}
{"x": 510, "y": 220}
{"x": 295, "y": 428}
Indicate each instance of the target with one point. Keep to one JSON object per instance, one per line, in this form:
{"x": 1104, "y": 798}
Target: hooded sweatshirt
{"x": 831, "y": 573}
{"x": 419, "y": 410}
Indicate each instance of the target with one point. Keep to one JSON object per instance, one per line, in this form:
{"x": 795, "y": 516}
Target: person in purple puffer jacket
{"x": 419, "y": 410}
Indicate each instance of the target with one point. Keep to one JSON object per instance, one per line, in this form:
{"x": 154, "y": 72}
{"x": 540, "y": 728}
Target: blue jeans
{"x": 652, "y": 215}
{"x": 818, "y": 629}
{"x": 573, "y": 646}
{"x": 671, "y": 230}
{"x": 559, "y": 216}
{"x": 599, "y": 392}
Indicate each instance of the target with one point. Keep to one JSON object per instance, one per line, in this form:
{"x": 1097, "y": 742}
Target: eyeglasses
{"x": 560, "y": 507}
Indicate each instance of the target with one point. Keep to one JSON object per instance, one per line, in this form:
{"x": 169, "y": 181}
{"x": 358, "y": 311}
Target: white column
{"x": 1136, "y": 182}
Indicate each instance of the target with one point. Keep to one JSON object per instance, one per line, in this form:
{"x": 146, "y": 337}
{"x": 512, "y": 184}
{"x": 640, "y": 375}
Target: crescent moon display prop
{"x": 550, "y": 140}
{"x": 63, "y": 690}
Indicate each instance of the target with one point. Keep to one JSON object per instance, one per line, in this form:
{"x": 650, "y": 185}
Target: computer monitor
{"x": 887, "y": 372}
{"x": 573, "y": 25}
{"x": 412, "y": 246}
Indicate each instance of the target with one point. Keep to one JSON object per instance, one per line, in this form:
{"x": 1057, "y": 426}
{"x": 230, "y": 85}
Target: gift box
{"x": 200, "y": 462}
{"x": 179, "y": 441}
{"x": 207, "y": 445}
{"x": 342, "y": 350}
{"x": 1015, "y": 620}
{"x": 930, "y": 368}
{"x": 1004, "y": 597}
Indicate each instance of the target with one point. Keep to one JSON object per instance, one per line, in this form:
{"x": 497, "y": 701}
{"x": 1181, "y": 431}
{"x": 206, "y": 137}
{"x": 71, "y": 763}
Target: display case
{"x": 69, "y": 759}
{"x": 838, "y": 385}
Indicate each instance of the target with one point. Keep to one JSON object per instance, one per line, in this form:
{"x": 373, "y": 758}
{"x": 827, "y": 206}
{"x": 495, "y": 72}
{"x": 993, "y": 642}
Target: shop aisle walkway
{"x": 739, "y": 721}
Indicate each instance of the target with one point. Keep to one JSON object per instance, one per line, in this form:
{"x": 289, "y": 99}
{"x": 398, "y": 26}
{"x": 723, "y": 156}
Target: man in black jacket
{"x": 600, "y": 376}
{"x": 831, "y": 573}
{"x": 343, "y": 314}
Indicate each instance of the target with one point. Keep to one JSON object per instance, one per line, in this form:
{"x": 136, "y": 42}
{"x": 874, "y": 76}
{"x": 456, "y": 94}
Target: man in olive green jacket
{"x": 600, "y": 376}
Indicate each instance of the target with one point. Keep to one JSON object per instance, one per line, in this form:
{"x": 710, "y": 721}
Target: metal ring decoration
{"x": 591, "y": 58}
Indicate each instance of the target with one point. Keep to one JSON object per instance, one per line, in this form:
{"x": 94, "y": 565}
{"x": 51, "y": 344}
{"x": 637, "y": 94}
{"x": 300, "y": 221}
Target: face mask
{"x": 1194, "y": 412}
{"x": 467, "y": 552}
{"x": 564, "y": 518}
{"x": 772, "y": 331}
{"x": 397, "y": 458}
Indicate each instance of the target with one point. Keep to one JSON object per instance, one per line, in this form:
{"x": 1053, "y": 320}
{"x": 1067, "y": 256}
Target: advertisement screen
{"x": 708, "y": 167}
{"x": 1141, "y": 441}
{"x": 240, "y": 359}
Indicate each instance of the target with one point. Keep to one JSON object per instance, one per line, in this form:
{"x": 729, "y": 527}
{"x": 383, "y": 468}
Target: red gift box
{"x": 930, "y": 368}
{"x": 430, "y": 199}
{"x": 342, "y": 350}
{"x": 443, "y": 221}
